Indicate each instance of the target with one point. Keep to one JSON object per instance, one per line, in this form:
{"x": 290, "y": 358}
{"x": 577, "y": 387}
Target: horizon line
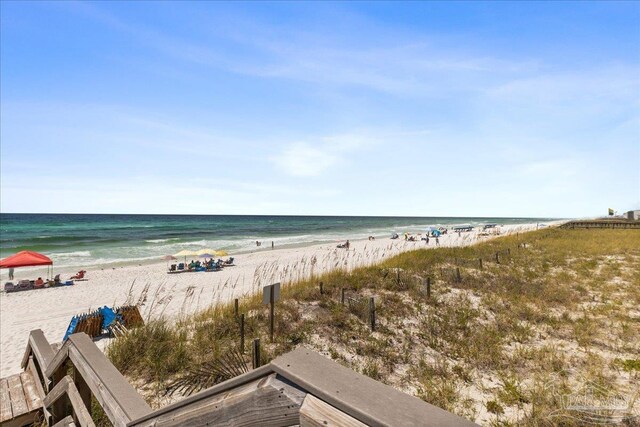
{"x": 292, "y": 215}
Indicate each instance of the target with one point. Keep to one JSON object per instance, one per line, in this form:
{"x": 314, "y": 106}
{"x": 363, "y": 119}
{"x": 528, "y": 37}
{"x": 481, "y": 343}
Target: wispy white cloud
{"x": 318, "y": 155}
{"x": 302, "y": 159}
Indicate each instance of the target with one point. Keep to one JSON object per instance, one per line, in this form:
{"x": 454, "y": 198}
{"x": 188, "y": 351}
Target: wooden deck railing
{"x": 603, "y": 223}
{"x": 299, "y": 388}
{"x": 92, "y": 375}
{"x": 66, "y": 388}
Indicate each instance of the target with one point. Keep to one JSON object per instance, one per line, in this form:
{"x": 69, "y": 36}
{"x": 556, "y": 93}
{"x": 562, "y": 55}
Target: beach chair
{"x": 79, "y": 275}
{"x": 9, "y": 287}
{"x": 23, "y": 285}
{"x": 181, "y": 266}
{"x": 172, "y": 268}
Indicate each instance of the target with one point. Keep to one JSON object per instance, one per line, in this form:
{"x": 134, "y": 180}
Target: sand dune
{"x": 176, "y": 294}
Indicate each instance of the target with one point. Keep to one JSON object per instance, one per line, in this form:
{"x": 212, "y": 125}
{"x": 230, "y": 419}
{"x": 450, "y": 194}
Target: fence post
{"x": 342, "y": 296}
{"x": 83, "y": 388}
{"x": 272, "y": 314}
{"x": 372, "y": 313}
{"x": 235, "y": 308}
{"x": 480, "y": 261}
{"x": 497, "y": 258}
{"x": 255, "y": 353}
{"x": 242, "y": 333}
{"x": 458, "y": 278}
{"x": 321, "y": 290}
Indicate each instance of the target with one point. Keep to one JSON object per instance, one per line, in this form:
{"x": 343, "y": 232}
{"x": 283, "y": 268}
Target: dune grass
{"x": 499, "y": 346}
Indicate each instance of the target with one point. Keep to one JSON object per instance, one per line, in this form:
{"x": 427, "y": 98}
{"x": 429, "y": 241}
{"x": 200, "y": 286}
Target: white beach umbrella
{"x": 185, "y": 253}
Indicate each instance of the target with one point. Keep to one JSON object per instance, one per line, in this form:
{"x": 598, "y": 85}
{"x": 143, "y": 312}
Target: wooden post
{"x": 235, "y": 308}
{"x": 242, "y": 333}
{"x": 429, "y": 287}
{"x": 59, "y": 409}
{"x": 342, "y": 296}
{"x": 372, "y": 313}
{"x": 255, "y": 353}
{"x": 458, "y": 278}
{"x": 321, "y": 290}
{"x": 272, "y": 313}
{"x": 480, "y": 262}
{"x": 83, "y": 389}
{"x": 497, "y": 258}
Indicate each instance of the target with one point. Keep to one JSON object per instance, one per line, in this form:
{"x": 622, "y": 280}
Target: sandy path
{"x": 52, "y": 309}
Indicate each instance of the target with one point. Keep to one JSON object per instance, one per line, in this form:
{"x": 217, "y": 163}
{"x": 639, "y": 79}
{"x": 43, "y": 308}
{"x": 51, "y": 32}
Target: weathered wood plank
{"x": 66, "y": 387}
{"x": 40, "y": 348}
{"x": 65, "y": 422}
{"x": 16, "y": 394}
{"x": 117, "y": 397}
{"x": 58, "y": 360}
{"x": 31, "y": 395}
{"x": 266, "y": 402}
{"x": 58, "y": 391}
{"x": 316, "y": 413}
{"x": 5, "y": 401}
{"x": 363, "y": 398}
{"x": 31, "y": 367}
{"x": 80, "y": 411}
{"x": 217, "y": 389}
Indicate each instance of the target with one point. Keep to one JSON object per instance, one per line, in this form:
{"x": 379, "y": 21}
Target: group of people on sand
{"x": 411, "y": 238}
{"x": 344, "y": 245}
{"x": 426, "y": 240}
{"x": 208, "y": 263}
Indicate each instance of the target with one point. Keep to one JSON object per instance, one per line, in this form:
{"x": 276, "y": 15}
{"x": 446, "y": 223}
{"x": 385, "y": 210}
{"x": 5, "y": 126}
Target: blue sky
{"x": 455, "y": 109}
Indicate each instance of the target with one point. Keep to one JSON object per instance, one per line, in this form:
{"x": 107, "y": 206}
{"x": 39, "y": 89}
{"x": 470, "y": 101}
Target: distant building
{"x": 634, "y": 215}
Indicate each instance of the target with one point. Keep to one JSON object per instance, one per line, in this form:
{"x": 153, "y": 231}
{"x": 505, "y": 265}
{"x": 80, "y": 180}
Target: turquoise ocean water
{"x": 89, "y": 240}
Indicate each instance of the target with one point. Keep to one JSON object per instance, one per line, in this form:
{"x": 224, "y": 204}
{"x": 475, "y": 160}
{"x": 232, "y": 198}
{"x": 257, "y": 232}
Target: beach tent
{"x": 25, "y": 259}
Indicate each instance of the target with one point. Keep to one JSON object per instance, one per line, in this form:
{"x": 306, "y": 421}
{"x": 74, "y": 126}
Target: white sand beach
{"x": 177, "y": 294}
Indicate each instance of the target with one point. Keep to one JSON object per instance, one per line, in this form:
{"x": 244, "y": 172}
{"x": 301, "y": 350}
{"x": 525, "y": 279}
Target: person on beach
{"x": 39, "y": 282}
{"x": 11, "y": 273}
{"x": 427, "y": 239}
{"x": 437, "y": 241}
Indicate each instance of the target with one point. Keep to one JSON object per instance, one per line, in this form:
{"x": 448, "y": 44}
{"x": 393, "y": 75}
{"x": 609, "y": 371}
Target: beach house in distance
{"x": 633, "y": 215}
